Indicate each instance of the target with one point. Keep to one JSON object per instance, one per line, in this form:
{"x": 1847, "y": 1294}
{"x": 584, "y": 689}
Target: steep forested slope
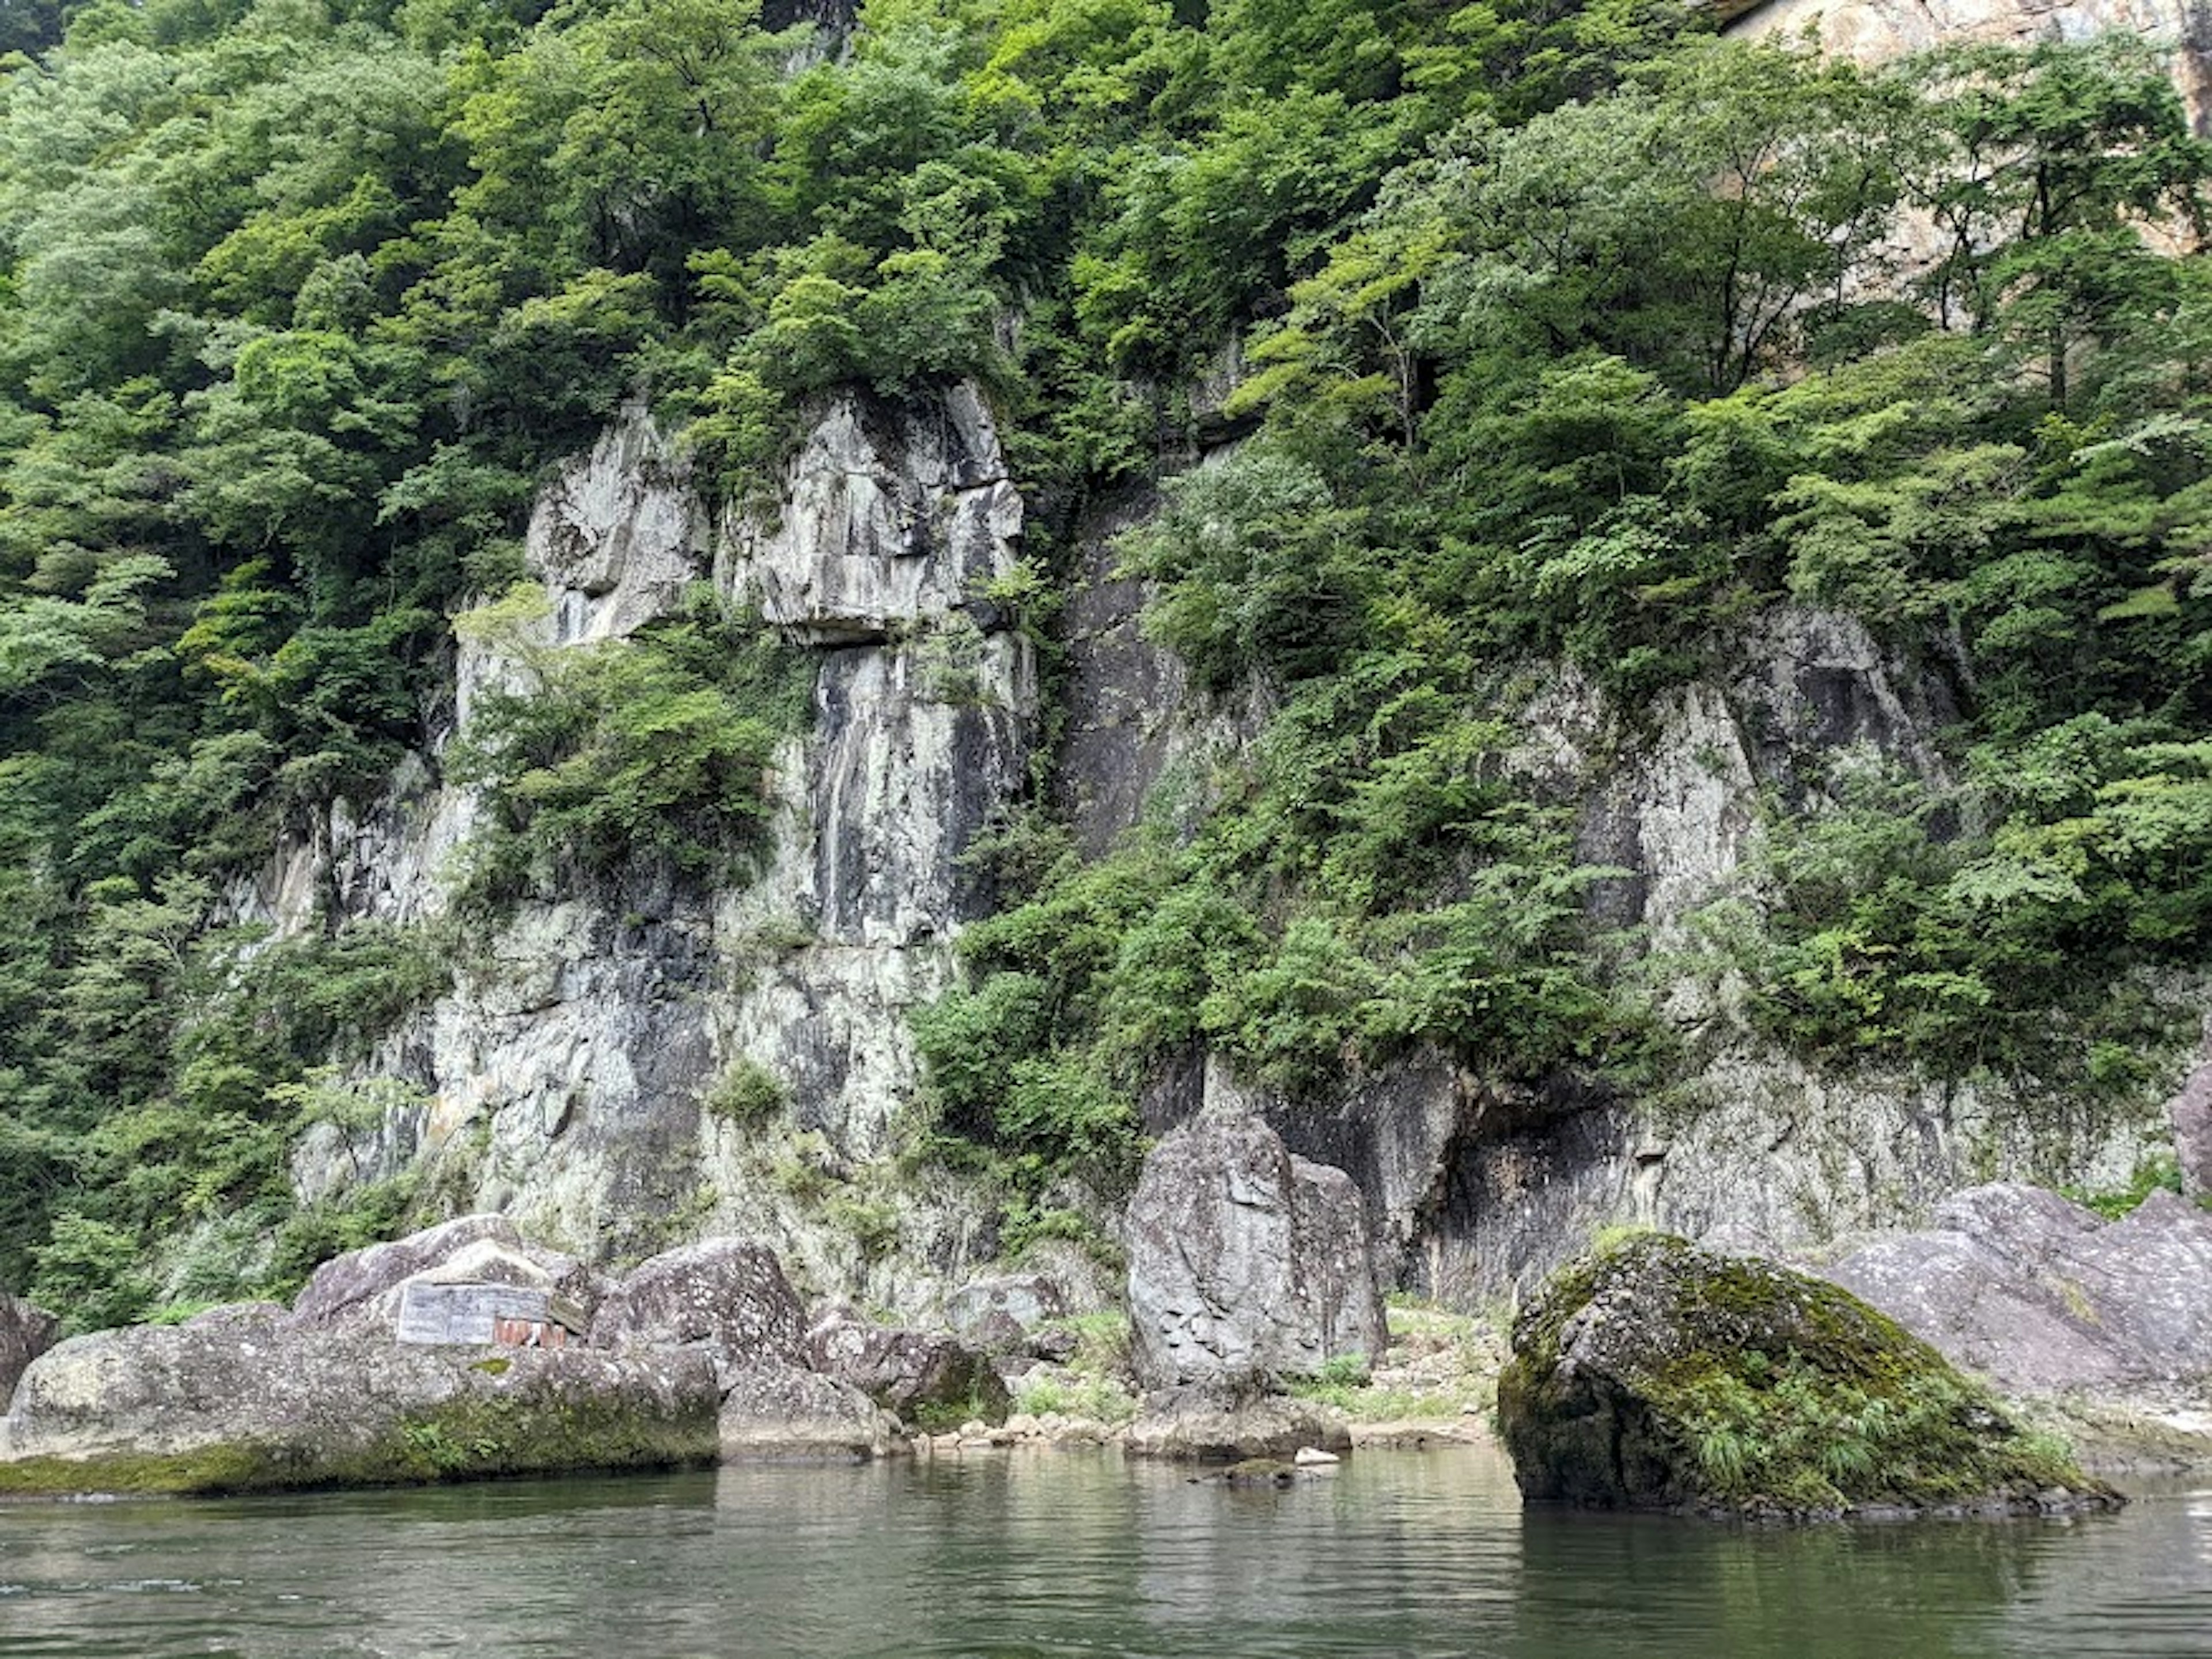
{"x": 1550, "y": 338}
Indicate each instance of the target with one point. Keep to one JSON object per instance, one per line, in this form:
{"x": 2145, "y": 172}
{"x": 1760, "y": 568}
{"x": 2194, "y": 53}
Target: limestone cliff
{"x": 561, "y": 1079}
{"x": 1478, "y": 1192}
{"x": 1880, "y": 31}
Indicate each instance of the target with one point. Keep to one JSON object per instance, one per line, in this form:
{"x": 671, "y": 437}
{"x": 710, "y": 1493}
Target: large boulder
{"x": 348, "y": 1285}
{"x": 1247, "y": 1266}
{"x": 782, "y": 1411}
{"x": 251, "y": 1399}
{"x": 726, "y": 1296}
{"x": 2043, "y": 1296}
{"x": 1660, "y": 1376}
{"x": 367, "y": 1285}
{"x": 932, "y": 1379}
{"x": 729, "y": 1299}
{"x": 1205, "y": 1426}
{"x": 26, "y": 1332}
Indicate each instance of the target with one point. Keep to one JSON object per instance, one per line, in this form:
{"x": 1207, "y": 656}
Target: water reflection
{"x": 1073, "y": 1554}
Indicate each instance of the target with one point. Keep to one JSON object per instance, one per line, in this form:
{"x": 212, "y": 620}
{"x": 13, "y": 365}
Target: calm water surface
{"x": 1395, "y": 1554}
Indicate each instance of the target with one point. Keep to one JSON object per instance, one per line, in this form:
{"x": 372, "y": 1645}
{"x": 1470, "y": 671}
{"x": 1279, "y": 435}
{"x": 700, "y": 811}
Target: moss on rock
{"x": 1656, "y": 1374}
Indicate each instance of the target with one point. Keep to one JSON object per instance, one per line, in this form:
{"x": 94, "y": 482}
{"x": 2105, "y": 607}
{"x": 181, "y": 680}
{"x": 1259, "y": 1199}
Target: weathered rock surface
{"x": 561, "y": 1083}
{"x": 1247, "y": 1266}
{"x": 929, "y": 1379}
{"x": 26, "y": 1332}
{"x": 2190, "y": 1112}
{"x": 347, "y": 1284}
{"x": 995, "y": 1314}
{"x": 366, "y": 1284}
{"x": 701, "y": 1350}
{"x": 888, "y": 516}
{"x": 258, "y": 1400}
{"x": 1659, "y": 1375}
{"x": 778, "y": 1411}
{"x": 727, "y": 1296}
{"x": 1202, "y": 1426}
{"x": 2041, "y": 1296}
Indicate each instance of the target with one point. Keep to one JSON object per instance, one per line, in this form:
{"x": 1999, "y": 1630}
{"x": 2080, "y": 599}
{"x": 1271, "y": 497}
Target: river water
{"x": 1073, "y": 1553}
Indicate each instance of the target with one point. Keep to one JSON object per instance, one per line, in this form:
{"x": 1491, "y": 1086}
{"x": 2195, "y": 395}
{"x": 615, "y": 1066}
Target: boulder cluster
{"x": 703, "y": 1353}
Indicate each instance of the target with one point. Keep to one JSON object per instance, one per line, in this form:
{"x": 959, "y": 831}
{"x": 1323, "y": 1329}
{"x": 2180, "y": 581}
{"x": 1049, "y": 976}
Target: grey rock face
{"x": 559, "y": 1085}
{"x": 1246, "y": 1265}
{"x": 2043, "y": 1296}
{"x": 1023, "y": 1301}
{"x": 888, "y": 516}
{"x": 2191, "y": 1114}
{"x": 777, "y": 1411}
{"x": 347, "y": 1284}
{"x": 1879, "y": 31}
{"x": 726, "y": 1296}
{"x": 26, "y": 1332}
{"x": 1203, "y": 1427}
{"x": 260, "y": 1401}
{"x": 917, "y": 1374}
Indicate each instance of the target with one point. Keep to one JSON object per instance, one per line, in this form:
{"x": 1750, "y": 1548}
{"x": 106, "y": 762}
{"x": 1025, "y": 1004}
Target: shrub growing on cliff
{"x": 652, "y": 748}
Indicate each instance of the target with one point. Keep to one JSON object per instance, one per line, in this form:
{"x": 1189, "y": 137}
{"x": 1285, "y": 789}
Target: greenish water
{"x": 1395, "y": 1554}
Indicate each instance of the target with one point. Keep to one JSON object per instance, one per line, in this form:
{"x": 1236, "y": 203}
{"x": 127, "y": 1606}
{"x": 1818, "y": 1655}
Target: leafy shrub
{"x": 653, "y": 748}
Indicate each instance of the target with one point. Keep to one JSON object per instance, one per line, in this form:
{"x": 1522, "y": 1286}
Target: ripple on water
{"x": 1401, "y": 1555}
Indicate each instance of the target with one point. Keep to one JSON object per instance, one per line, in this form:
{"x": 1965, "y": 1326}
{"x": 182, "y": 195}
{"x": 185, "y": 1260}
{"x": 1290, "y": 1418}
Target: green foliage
{"x": 2154, "y": 1175}
{"x": 1555, "y": 333}
{"x": 746, "y": 1094}
{"x": 651, "y": 748}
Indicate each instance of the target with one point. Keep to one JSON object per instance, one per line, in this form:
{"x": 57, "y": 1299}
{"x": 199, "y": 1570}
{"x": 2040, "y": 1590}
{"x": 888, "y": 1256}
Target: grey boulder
{"x": 928, "y": 1377}
{"x": 2043, "y": 1296}
{"x": 726, "y": 1296}
{"x": 368, "y": 1283}
{"x": 251, "y": 1399}
{"x": 1202, "y": 1426}
{"x": 1247, "y": 1266}
{"x": 26, "y": 1332}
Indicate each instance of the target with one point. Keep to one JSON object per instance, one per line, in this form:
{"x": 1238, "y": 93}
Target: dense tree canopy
{"x": 1567, "y": 333}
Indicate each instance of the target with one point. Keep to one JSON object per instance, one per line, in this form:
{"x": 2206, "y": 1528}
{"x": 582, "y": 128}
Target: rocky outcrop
{"x": 253, "y": 1400}
{"x": 560, "y": 1080}
{"x": 1247, "y": 1266}
{"x": 779, "y": 1411}
{"x": 2189, "y": 1113}
{"x": 931, "y": 1379}
{"x": 1881, "y": 31}
{"x": 26, "y": 1332}
{"x": 727, "y": 1296}
{"x": 2042, "y": 1297}
{"x": 700, "y": 1353}
{"x": 1659, "y": 1375}
{"x": 1206, "y": 1426}
{"x": 1477, "y": 1188}
{"x": 889, "y": 517}
{"x": 729, "y": 1299}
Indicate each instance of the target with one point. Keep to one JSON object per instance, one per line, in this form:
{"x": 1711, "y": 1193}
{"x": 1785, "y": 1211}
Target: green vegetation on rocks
{"x": 1656, "y": 1374}
{"x": 1559, "y": 335}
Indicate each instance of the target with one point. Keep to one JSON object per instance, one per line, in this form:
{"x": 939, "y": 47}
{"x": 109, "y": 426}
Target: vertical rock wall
{"x": 561, "y": 1079}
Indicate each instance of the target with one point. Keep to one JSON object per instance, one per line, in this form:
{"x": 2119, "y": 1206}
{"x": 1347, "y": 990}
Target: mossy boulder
{"x": 1654, "y": 1375}
{"x": 251, "y": 1400}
